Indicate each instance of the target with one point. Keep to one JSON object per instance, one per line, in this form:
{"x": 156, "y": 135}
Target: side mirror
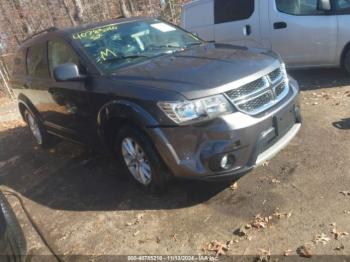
{"x": 67, "y": 72}
{"x": 324, "y": 5}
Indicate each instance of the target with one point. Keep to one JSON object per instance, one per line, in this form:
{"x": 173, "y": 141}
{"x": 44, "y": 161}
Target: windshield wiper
{"x": 125, "y": 57}
{"x": 164, "y": 46}
{"x": 193, "y": 44}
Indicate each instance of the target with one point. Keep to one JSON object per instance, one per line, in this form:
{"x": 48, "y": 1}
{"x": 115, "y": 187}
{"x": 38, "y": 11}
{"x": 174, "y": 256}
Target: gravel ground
{"x": 85, "y": 206}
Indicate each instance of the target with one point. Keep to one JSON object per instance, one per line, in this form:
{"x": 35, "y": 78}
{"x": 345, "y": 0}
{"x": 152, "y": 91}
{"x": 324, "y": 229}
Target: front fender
{"x": 22, "y": 99}
{"x": 126, "y": 110}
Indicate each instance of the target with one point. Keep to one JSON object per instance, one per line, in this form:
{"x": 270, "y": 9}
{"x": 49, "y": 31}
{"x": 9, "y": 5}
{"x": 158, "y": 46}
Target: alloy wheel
{"x": 136, "y": 160}
{"x": 34, "y": 127}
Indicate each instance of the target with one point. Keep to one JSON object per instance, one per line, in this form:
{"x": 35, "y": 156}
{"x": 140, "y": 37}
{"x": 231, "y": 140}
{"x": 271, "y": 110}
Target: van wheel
{"x": 14, "y": 238}
{"x": 347, "y": 62}
{"x": 140, "y": 159}
{"x": 42, "y": 138}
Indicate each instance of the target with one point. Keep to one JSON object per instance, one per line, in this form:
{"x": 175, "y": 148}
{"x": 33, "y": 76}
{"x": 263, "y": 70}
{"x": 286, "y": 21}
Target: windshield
{"x": 116, "y": 45}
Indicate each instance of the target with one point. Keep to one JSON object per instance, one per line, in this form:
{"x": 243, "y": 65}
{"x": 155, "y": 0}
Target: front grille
{"x": 260, "y": 101}
{"x": 248, "y": 89}
{"x": 276, "y": 75}
{"x": 280, "y": 88}
{"x": 261, "y": 94}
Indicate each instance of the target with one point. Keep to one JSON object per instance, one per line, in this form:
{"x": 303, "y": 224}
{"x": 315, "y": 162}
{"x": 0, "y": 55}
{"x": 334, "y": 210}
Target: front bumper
{"x": 188, "y": 151}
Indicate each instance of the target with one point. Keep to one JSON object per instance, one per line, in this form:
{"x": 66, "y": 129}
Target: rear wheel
{"x": 140, "y": 159}
{"x": 39, "y": 133}
{"x": 12, "y": 241}
{"x": 347, "y": 62}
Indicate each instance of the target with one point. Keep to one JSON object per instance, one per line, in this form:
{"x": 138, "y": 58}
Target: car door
{"x": 35, "y": 84}
{"x": 237, "y": 22}
{"x": 343, "y": 16}
{"x": 302, "y": 34}
{"x": 70, "y": 108}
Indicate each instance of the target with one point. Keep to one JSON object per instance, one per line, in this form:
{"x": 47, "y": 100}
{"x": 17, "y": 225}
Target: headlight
{"x": 209, "y": 107}
{"x": 284, "y": 72}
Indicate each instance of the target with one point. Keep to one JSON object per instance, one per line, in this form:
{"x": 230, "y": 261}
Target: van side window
{"x": 61, "y": 53}
{"x": 232, "y": 10}
{"x": 343, "y": 6}
{"x": 37, "y": 61}
{"x": 299, "y": 7}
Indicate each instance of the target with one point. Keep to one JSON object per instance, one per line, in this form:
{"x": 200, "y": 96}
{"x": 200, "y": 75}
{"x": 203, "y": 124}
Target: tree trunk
{"x": 51, "y": 8}
{"x": 124, "y": 8}
{"x": 132, "y": 6}
{"x": 71, "y": 18}
{"x": 9, "y": 23}
{"x": 78, "y": 16}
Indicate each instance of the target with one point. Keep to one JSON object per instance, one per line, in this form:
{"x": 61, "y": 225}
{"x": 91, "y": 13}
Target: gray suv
{"x": 164, "y": 102}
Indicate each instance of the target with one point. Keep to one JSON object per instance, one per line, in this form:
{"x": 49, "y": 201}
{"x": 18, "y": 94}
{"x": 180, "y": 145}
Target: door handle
{"x": 279, "y": 25}
{"x": 247, "y": 30}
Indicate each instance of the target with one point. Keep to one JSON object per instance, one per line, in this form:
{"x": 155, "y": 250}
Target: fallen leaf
{"x": 139, "y": 217}
{"x": 174, "y": 237}
{"x": 265, "y": 164}
{"x": 234, "y": 186}
{"x": 345, "y": 193}
{"x": 275, "y": 181}
{"x": 217, "y": 247}
{"x": 322, "y": 239}
{"x": 304, "y": 251}
{"x": 242, "y": 231}
{"x": 129, "y": 224}
{"x": 260, "y": 222}
{"x": 136, "y": 233}
{"x": 288, "y": 252}
{"x": 280, "y": 215}
{"x": 264, "y": 255}
{"x": 338, "y": 234}
{"x": 341, "y": 247}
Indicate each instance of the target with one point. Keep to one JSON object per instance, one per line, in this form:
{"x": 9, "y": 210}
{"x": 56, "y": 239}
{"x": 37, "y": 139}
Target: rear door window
{"x": 61, "y": 53}
{"x": 232, "y": 10}
{"x": 37, "y": 61}
{"x": 299, "y": 7}
{"x": 343, "y": 6}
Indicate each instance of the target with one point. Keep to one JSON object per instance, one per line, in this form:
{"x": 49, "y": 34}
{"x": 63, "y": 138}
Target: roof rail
{"x": 50, "y": 29}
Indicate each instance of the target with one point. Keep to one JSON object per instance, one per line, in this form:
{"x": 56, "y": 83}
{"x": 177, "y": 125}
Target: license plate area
{"x": 284, "y": 122}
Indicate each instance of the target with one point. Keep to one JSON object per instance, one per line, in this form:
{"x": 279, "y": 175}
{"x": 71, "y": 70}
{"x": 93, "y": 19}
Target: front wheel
{"x": 140, "y": 159}
{"x": 40, "y": 135}
{"x": 347, "y": 62}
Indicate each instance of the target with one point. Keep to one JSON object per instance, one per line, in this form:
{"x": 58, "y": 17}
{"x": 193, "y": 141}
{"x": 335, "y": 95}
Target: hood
{"x": 201, "y": 71}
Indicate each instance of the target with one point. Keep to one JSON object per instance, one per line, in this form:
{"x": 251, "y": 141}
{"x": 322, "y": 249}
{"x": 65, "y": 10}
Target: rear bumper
{"x": 189, "y": 151}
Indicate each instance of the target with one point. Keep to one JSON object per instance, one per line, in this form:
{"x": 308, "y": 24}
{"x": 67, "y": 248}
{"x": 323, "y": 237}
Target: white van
{"x": 306, "y": 33}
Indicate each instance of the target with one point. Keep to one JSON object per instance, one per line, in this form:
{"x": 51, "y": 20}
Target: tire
{"x": 12, "y": 240}
{"x": 158, "y": 175}
{"x": 347, "y": 62}
{"x": 42, "y": 138}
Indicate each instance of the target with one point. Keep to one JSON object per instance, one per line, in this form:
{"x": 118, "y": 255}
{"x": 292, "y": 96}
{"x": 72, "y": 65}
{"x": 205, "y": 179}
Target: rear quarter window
{"x": 232, "y": 10}
{"x": 37, "y": 60}
{"x": 343, "y": 6}
{"x": 299, "y": 7}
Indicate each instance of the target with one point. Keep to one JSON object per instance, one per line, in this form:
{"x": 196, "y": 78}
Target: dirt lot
{"x": 86, "y": 206}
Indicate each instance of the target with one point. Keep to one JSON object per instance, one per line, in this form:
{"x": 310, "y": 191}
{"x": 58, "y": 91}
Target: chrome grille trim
{"x": 260, "y": 94}
{"x": 276, "y": 75}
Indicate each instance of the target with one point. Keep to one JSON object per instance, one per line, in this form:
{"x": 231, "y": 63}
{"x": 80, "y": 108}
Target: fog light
{"x": 227, "y": 161}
